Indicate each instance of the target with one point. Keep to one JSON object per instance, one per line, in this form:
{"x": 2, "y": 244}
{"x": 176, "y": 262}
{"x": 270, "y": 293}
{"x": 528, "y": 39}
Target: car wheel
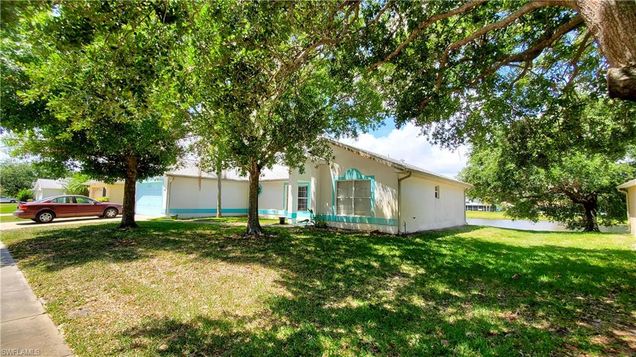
{"x": 110, "y": 212}
{"x": 13, "y": 201}
{"x": 45, "y": 217}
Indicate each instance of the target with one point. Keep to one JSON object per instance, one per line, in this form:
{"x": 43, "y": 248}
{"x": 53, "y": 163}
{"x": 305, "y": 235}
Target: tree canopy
{"x": 265, "y": 79}
{"x": 103, "y": 71}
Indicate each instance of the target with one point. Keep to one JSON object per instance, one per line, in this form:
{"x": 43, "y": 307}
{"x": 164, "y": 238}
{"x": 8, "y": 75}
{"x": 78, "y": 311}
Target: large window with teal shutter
{"x": 353, "y": 197}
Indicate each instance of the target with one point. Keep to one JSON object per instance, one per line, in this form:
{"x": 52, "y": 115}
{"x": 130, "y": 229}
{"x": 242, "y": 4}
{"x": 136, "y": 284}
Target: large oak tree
{"x": 102, "y": 71}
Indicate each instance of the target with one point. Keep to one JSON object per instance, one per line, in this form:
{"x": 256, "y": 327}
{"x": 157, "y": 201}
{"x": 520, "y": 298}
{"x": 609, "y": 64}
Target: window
{"x": 353, "y": 197}
{"x": 103, "y": 191}
{"x": 83, "y": 200}
{"x": 64, "y": 199}
{"x": 303, "y": 198}
{"x": 437, "y": 191}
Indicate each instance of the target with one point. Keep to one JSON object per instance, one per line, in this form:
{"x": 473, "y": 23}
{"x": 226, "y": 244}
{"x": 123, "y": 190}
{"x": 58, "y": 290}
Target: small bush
{"x": 24, "y": 195}
{"x": 103, "y": 199}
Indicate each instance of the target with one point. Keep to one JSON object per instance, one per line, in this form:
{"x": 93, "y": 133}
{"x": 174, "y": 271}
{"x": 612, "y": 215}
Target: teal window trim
{"x": 352, "y": 174}
{"x": 308, "y": 185}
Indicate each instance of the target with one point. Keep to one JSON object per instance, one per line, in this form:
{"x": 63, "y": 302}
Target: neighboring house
{"x": 477, "y": 205}
{"x": 47, "y": 187}
{"x": 362, "y": 190}
{"x": 114, "y": 191}
{"x": 629, "y": 188}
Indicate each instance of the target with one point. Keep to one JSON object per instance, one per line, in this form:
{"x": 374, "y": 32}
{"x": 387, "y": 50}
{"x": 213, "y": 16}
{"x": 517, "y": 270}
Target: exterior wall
{"x": 194, "y": 197}
{"x": 271, "y": 199}
{"x": 346, "y": 165}
{"x": 114, "y": 192}
{"x": 422, "y": 211}
{"x": 631, "y": 209}
{"x": 41, "y": 193}
{"x": 149, "y": 197}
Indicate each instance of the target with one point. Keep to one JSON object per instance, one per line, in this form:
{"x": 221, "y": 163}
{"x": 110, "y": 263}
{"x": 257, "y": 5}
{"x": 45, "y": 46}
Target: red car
{"x": 45, "y": 210}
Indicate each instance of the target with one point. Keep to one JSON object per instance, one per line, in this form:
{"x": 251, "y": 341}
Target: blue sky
{"x": 409, "y": 145}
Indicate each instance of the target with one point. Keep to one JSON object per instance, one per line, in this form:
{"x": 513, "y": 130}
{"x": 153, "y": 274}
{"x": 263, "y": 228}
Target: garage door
{"x": 149, "y": 198}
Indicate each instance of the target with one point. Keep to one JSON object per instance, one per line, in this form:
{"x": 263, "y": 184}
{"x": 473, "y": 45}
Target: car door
{"x": 62, "y": 206}
{"x": 87, "y": 207}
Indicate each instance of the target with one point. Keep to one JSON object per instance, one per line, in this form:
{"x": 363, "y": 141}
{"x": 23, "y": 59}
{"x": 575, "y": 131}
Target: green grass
{"x": 6, "y": 219}
{"x": 486, "y": 215}
{"x": 226, "y": 220}
{"x": 8, "y": 207}
{"x": 177, "y": 288}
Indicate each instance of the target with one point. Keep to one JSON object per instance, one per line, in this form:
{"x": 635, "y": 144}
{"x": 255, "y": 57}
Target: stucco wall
{"x": 114, "y": 192}
{"x": 270, "y": 200}
{"x": 631, "y": 208}
{"x": 322, "y": 177}
{"x": 422, "y": 211}
{"x": 193, "y": 197}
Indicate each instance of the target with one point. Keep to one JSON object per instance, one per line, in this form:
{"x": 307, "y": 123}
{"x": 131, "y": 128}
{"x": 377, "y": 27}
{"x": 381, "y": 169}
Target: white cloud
{"x": 407, "y": 144}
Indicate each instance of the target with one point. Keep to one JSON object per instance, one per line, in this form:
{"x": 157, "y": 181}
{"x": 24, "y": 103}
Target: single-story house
{"x": 355, "y": 189}
{"x": 629, "y": 188}
{"x": 477, "y": 205}
{"x": 361, "y": 190}
{"x": 43, "y": 188}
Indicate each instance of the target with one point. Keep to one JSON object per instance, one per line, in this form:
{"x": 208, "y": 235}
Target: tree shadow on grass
{"x": 352, "y": 293}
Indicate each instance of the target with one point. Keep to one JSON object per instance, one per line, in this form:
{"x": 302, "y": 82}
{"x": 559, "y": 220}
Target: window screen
{"x": 303, "y": 198}
{"x": 353, "y": 197}
{"x": 436, "y": 191}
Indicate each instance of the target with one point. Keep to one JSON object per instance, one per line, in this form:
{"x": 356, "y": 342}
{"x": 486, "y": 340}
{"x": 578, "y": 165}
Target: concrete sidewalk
{"x": 25, "y": 328}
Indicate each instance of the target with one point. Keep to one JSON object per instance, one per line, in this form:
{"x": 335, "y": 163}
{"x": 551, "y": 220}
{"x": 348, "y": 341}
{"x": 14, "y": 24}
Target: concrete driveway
{"x": 27, "y": 223}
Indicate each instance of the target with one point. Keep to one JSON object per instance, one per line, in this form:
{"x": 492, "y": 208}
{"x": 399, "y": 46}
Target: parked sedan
{"x": 46, "y": 210}
{"x": 8, "y": 200}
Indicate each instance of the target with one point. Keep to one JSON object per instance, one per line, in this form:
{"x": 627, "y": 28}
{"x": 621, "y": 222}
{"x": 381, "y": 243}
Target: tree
{"x": 564, "y": 164}
{"x": 441, "y": 61}
{"x": 103, "y": 71}
{"x": 15, "y": 176}
{"x": 268, "y": 80}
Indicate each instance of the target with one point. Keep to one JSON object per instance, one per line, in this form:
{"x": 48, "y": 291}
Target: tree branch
{"x": 577, "y": 56}
{"x": 527, "y": 8}
{"x": 423, "y": 25}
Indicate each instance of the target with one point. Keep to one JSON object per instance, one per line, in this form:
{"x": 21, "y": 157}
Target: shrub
{"x": 77, "y": 185}
{"x": 103, "y": 199}
{"x": 24, "y": 195}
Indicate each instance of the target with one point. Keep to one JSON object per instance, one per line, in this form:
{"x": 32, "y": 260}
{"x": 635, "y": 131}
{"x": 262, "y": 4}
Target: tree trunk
{"x": 590, "y": 217}
{"x": 253, "y": 224}
{"x": 219, "y": 172}
{"x": 128, "y": 216}
{"x": 613, "y": 24}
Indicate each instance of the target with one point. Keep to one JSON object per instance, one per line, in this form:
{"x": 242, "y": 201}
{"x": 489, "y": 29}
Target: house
{"x": 113, "y": 191}
{"x": 355, "y": 189}
{"x": 477, "y": 205}
{"x": 629, "y": 188}
{"x": 43, "y": 188}
{"x": 361, "y": 190}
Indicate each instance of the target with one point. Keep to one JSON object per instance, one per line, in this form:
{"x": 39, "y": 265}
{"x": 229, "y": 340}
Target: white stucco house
{"x": 629, "y": 188}
{"x": 355, "y": 189}
{"x": 361, "y": 190}
{"x": 43, "y": 188}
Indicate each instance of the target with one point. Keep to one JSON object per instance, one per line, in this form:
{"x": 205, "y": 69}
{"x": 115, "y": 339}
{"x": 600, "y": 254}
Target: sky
{"x": 409, "y": 145}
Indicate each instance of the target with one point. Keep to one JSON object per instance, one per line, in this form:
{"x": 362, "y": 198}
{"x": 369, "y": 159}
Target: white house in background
{"x": 629, "y": 188}
{"x": 43, "y": 188}
{"x": 361, "y": 190}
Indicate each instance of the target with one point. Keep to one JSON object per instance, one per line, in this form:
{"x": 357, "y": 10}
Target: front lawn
{"x": 486, "y": 215}
{"x": 8, "y": 207}
{"x": 178, "y": 288}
